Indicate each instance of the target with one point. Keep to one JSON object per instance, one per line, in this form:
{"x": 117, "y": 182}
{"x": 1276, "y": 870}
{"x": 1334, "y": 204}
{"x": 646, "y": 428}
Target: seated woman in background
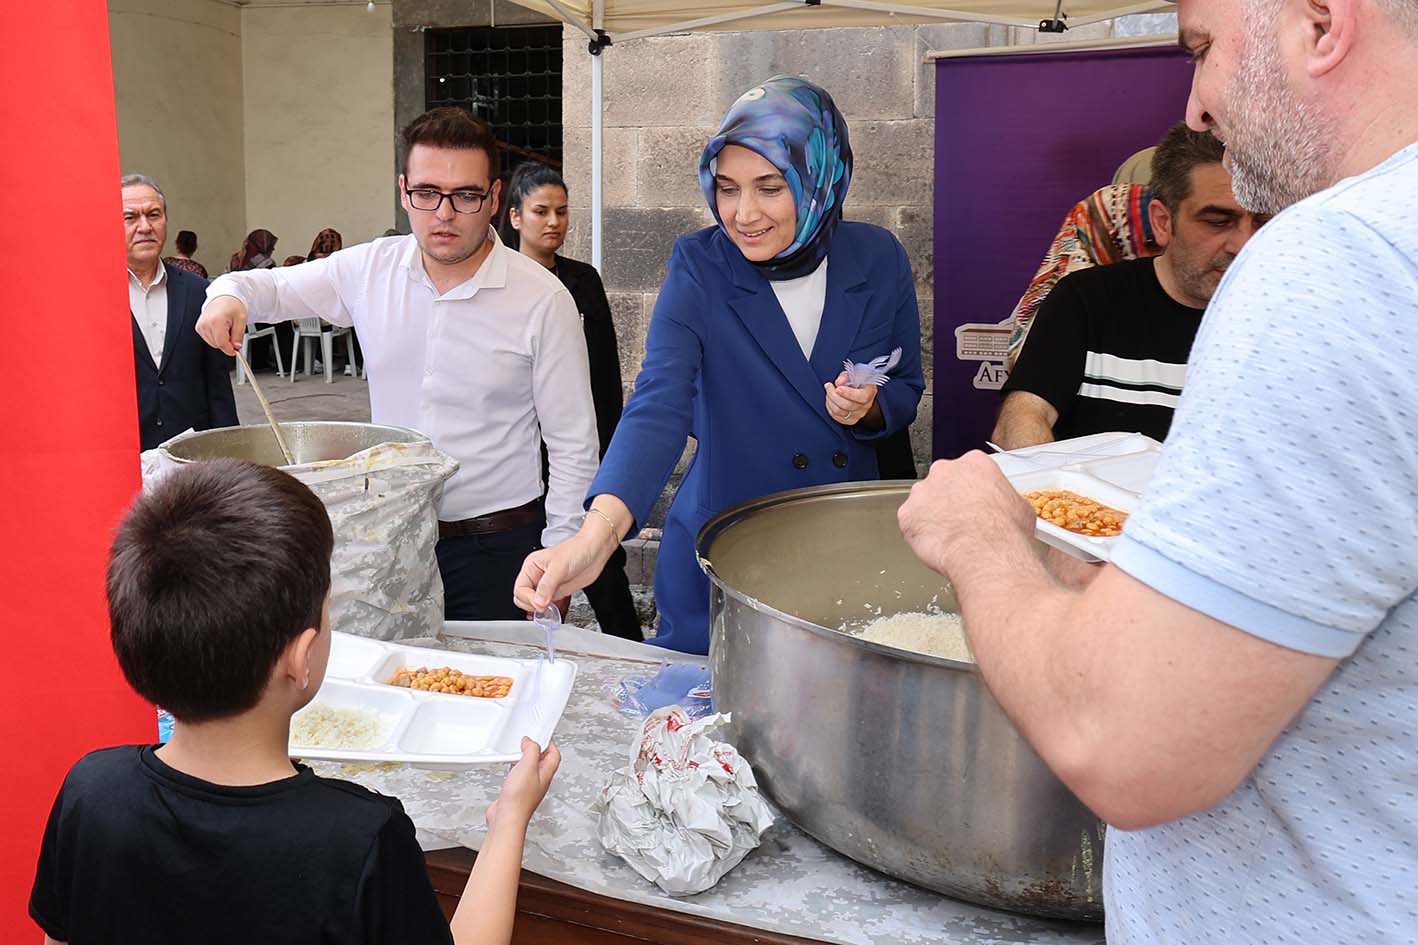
{"x": 535, "y": 224}
{"x": 183, "y": 250}
{"x": 256, "y": 252}
{"x": 326, "y": 242}
{"x": 745, "y": 353}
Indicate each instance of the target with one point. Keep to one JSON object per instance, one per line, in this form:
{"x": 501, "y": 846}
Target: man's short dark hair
{"x": 1178, "y": 153}
{"x": 213, "y": 572}
{"x": 452, "y": 127}
{"x": 186, "y": 242}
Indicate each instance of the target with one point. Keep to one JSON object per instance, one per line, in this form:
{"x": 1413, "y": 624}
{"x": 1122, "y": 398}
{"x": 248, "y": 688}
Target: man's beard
{"x": 1278, "y": 146}
{"x": 1200, "y": 281}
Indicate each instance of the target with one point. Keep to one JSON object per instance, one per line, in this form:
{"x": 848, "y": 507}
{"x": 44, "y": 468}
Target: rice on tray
{"x": 321, "y": 726}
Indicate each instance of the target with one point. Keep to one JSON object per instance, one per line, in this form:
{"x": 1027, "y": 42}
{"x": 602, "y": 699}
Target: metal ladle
{"x": 270, "y": 417}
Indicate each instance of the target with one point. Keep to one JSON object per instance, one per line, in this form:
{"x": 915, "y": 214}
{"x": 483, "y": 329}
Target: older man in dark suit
{"x": 182, "y": 382}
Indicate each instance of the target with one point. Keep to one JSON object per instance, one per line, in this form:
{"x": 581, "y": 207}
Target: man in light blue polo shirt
{"x": 1237, "y": 694}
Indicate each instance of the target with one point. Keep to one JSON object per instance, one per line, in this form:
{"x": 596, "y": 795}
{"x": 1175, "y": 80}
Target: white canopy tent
{"x": 612, "y": 22}
{"x": 623, "y": 20}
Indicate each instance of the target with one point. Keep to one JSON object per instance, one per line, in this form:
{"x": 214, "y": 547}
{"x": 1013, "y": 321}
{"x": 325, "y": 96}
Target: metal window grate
{"x": 510, "y": 76}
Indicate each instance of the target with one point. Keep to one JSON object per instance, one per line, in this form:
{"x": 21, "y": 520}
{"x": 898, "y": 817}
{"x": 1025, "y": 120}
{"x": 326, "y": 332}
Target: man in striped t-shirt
{"x": 1108, "y": 349}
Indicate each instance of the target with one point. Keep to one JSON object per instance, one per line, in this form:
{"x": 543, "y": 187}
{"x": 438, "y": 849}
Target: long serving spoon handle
{"x": 266, "y": 406}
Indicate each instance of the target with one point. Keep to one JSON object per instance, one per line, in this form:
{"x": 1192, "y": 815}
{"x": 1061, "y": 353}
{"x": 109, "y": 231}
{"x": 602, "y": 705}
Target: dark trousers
{"x": 610, "y": 598}
{"x": 609, "y": 594}
{"x": 894, "y": 458}
{"x": 263, "y": 356}
{"x": 479, "y": 572}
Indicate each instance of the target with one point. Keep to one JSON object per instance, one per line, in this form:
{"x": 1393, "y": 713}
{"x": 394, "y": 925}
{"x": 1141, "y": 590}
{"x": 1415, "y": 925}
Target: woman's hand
{"x": 552, "y": 574}
{"x": 852, "y": 405}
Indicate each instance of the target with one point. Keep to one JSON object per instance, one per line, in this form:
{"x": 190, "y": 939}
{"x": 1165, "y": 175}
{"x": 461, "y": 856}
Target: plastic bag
{"x": 873, "y": 372}
{"x": 686, "y": 810}
{"x": 682, "y": 684}
{"x": 383, "y": 505}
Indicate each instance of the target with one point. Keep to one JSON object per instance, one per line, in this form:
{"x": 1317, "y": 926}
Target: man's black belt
{"x": 493, "y": 522}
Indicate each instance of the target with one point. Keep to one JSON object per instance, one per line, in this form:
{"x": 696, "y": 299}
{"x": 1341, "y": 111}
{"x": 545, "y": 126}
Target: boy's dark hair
{"x": 186, "y": 242}
{"x": 452, "y": 127}
{"x": 1179, "y": 151}
{"x": 211, "y": 575}
{"x": 528, "y": 176}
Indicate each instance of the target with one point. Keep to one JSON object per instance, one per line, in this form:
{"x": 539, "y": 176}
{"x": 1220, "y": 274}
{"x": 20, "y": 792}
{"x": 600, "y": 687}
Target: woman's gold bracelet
{"x": 615, "y": 532}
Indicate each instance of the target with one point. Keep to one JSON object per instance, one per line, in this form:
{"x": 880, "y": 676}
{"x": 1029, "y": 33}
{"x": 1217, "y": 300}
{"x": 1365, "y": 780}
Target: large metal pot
{"x": 310, "y": 441}
{"x": 900, "y": 761}
{"x": 383, "y": 508}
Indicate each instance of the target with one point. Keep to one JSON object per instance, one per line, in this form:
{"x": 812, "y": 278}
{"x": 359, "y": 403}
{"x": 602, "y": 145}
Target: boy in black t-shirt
{"x": 218, "y": 591}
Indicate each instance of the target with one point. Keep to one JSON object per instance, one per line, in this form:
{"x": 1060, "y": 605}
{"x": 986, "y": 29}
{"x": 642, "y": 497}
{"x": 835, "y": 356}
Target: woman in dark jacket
{"x": 745, "y": 352}
{"x": 535, "y": 225}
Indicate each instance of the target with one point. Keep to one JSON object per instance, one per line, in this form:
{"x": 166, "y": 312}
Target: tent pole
{"x": 597, "y": 167}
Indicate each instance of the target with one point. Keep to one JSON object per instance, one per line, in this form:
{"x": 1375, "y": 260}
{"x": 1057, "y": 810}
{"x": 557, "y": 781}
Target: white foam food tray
{"x": 1112, "y": 468}
{"x": 440, "y": 730}
{"x": 1085, "y": 485}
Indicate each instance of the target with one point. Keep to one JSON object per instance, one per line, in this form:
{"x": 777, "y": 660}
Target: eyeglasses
{"x": 463, "y": 201}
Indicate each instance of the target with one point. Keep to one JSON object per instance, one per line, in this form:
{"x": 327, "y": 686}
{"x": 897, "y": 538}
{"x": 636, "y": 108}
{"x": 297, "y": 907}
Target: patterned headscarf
{"x": 795, "y": 126}
{"x": 256, "y": 251}
{"x": 327, "y": 241}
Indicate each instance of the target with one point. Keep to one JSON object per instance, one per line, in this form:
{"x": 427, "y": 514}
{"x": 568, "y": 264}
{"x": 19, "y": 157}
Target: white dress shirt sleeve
{"x": 561, "y": 395}
{"x": 325, "y": 288}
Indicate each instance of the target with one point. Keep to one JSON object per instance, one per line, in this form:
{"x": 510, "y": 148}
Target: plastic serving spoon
{"x": 550, "y": 621}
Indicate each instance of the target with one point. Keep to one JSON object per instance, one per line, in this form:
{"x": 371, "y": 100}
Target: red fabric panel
{"x": 69, "y": 451}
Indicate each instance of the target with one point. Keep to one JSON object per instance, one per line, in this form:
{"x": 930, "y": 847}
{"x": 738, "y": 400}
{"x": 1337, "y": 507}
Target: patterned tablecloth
{"x": 791, "y": 884}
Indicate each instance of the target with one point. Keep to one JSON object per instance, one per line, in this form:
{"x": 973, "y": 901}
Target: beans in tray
{"x": 452, "y": 681}
{"x": 1077, "y": 513}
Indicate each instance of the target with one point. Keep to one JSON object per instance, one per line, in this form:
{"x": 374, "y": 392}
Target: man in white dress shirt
{"x": 465, "y": 340}
{"x": 181, "y": 382}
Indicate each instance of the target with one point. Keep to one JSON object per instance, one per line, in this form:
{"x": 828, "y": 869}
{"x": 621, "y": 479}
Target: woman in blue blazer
{"x": 745, "y": 353}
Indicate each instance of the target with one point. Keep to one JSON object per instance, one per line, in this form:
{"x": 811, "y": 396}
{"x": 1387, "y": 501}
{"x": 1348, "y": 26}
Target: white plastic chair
{"x": 252, "y": 333}
{"x": 307, "y": 330}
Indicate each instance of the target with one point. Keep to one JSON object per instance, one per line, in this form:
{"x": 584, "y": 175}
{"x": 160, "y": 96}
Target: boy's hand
{"x": 526, "y": 784}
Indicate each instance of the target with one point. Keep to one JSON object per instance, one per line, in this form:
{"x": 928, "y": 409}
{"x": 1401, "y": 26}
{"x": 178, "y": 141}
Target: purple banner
{"x": 1019, "y": 140}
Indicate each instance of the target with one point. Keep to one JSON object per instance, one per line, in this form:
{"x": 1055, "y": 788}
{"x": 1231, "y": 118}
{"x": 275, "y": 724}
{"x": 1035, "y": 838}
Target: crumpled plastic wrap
{"x": 383, "y": 505}
{"x": 686, "y": 809}
{"x": 875, "y": 372}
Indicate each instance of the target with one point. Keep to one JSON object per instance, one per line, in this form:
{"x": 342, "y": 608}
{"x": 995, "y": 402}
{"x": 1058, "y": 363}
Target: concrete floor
{"x": 308, "y": 398}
